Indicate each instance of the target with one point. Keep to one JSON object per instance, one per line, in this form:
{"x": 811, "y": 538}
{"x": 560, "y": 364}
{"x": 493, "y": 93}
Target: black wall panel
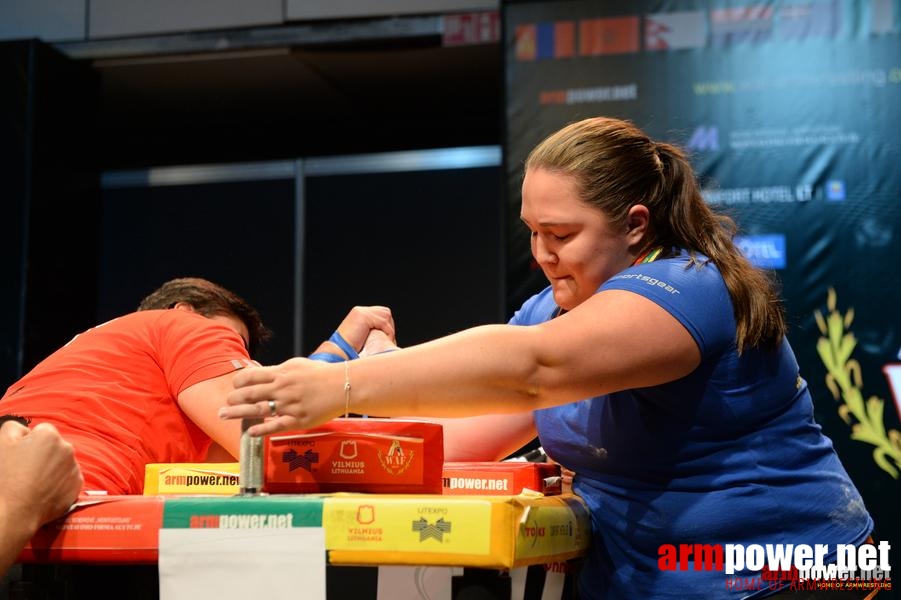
{"x": 50, "y": 203}
{"x": 239, "y": 234}
{"x": 428, "y": 244}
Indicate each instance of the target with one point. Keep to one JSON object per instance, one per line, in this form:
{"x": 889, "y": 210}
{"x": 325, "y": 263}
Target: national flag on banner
{"x": 882, "y": 16}
{"x": 461, "y": 29}
{"x": 744, "y": 24}
{"x": 800, "y": 21}
{"x": 526, "y": 42}
{"x": 556, "y": 40}
{"x": 608, "y": 36}
{"x": 675, "y": 30}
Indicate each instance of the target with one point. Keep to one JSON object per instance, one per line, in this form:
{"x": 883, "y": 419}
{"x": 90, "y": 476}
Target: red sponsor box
{"x": 388, "y": 456}
{"x": 101, "y": 529}
{"x": 500, "y": 478}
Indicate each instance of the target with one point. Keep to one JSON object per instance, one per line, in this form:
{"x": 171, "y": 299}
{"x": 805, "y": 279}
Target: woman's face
{"x": 574, "y": 244}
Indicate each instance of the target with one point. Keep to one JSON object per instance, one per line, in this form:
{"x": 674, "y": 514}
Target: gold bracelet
{"x": 346, "y": 388}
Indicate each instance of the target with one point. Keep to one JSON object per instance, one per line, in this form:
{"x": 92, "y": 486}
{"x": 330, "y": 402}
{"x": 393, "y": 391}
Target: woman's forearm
{"x": 499, "y": 366}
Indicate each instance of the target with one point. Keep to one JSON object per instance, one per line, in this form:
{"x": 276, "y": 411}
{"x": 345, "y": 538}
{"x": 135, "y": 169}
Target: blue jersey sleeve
{"x": 537, "y": 309}
{"x": 695, "y": 294}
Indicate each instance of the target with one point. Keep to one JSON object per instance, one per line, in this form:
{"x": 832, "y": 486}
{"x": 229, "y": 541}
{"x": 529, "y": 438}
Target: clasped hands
{"x": 301, "y": 393}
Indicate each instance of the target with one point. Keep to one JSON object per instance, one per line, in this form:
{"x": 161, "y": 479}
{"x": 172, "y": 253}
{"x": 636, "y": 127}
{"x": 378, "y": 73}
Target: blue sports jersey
{"x": 729, "y": 454}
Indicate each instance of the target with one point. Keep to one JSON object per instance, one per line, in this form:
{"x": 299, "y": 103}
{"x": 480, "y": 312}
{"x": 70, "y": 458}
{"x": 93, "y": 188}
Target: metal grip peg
{"x": 250, "y": 476}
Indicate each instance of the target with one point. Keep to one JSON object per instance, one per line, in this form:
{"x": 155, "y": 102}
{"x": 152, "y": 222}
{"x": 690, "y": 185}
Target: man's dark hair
{"x": 20, "y": 420}
{"x": 209, "y": 299}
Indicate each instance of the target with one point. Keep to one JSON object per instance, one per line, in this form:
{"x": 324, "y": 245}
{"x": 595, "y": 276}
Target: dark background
{"x": 76, "y": 252}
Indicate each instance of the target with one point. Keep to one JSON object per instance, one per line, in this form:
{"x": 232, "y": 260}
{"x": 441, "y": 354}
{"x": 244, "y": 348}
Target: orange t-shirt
{"x": 112, "y": 392}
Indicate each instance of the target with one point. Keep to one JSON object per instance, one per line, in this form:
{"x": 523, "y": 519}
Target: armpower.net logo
{"x": 784, "y": 566}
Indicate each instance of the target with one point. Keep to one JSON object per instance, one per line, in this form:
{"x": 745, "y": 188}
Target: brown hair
{"x": 617, "y": 166}
{"x": 209, "y": 299}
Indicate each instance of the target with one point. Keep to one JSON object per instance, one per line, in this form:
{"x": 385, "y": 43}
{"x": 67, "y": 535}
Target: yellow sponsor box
{"x": 476, "y": 531}
{"x": 191, "y": 478}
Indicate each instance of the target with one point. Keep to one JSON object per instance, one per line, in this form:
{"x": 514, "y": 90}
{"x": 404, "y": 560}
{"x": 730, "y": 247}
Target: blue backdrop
{"x": 791, "y": 112}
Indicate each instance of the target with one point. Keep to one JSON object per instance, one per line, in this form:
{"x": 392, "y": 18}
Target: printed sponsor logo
{"x": 778, "y": 137}
{"x": 365, "y": 514}
{"x": 835, "y": 190}
{"x": 533, "y": 531}
{"x": 651, "y": 281}
{"x": 396, "y": 460}
{"x": 476, "y": 483}
{"x": 241, "y": 521}
{"x": 348, "y": 449}
{"x": 759, "y": 195}
{"x": 434, "y": 530}
{"x": 764, "y": 251}
{"x": 206, "y": 479}
{"x": 90, "y": 523}
{"x": 605, "y": 93}
{"x": 876, "y": 78}
{"x": 704, "y": 138}
{"x": 297, "y": 460}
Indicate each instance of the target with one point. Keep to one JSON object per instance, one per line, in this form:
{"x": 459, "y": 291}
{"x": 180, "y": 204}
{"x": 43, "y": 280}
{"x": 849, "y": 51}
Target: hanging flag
{"x": 882, "y": 16}
{"x": 675, "y": 30}
{"x": 608, "y": 36}
{"x": 730, "y": 26}
{"x": 800, "y": 21}
{"x": 525, "y": 42}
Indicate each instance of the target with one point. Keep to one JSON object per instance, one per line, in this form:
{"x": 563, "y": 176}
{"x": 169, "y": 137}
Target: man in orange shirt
{"x": 145, "y": 387}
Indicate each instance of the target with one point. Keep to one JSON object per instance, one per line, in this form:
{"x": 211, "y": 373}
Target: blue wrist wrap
{"x": 326, "y": 357}
{"x": 339, "y": 341}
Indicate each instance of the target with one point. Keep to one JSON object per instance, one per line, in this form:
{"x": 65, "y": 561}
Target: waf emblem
{"x": 396, "y": 460}
{"x": 428, "y": 530}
